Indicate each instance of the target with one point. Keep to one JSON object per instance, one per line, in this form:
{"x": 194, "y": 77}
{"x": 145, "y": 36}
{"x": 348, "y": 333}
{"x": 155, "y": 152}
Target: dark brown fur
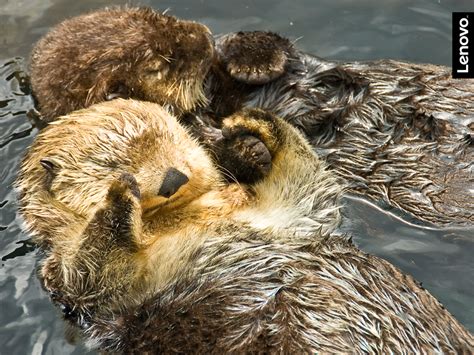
{"x": 397, "y": 132}
{"x": 120, "y": 52}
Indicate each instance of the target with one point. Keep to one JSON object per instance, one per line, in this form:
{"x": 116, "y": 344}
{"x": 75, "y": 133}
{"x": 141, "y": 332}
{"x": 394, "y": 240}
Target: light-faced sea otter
{"x": 398, "y": 133}
{"x": 149, "y": 250}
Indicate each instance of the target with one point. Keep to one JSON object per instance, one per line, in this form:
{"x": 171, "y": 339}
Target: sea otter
{"x": 398, "y": 133}
{"x": 120, "y": 52}
{"x": 148, "y": 249}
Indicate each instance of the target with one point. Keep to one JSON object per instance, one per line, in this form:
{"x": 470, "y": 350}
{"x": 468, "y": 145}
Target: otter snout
{"x": 172, "y": 181}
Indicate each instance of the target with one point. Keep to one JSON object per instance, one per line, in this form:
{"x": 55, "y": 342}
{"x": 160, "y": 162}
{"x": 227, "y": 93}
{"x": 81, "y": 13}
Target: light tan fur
{"x": 90, "y": 149}
{"x": 217, "y": 267}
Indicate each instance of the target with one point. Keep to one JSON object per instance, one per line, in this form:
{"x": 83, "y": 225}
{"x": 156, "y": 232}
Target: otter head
{"x": 121, "y": 52}
{"x": 183, "y": 55}
{"x": 73, "y": 162}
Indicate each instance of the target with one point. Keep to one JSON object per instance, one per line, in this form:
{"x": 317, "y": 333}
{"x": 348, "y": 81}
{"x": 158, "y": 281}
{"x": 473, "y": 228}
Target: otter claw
{"x": 256, "y": 153}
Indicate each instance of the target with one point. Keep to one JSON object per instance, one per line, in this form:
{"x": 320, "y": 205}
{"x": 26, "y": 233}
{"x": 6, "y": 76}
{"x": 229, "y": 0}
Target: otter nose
{"x": 173, "y": 180}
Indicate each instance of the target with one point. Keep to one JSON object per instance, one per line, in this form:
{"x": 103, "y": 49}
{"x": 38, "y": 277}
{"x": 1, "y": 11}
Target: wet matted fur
{"x": 215, "y": 267}
{"x": 120, "y": 52}
{"x": 400, "y": 133}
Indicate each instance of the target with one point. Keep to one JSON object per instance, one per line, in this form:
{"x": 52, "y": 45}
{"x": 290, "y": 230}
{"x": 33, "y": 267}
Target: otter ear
{"x": 49, "y": 165}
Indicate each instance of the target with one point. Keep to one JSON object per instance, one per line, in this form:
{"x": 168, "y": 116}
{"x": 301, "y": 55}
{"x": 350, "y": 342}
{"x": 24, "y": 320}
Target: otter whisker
{"x": 227, "y": 173}
{"x": 167, "y": 59}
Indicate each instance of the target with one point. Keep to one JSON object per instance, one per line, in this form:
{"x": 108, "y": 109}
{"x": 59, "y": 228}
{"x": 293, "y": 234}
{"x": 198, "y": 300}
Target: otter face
{"x": 127, "y": 53}
{"x": 176, "y": 75}
{"x": 74, "y": 160}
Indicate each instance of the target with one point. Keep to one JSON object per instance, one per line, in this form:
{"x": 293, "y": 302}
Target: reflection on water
{"x": 417, "y": 30}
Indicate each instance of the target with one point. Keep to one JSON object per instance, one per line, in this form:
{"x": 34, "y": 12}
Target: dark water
{"x": 417, "y": 30}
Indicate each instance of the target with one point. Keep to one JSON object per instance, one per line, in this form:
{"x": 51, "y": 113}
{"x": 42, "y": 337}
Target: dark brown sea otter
{"x": 120, "y": 52}
{"x": 399, "y": 133}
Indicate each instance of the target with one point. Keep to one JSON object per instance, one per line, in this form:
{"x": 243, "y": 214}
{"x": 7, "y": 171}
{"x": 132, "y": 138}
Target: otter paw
{"x": 125, "y": 187}
{"x": 246, "y": 158}
{"x": 248, "y": 145}
{"x": 254, "y": 57}
{"x": 120, "y": 213}
{"x": 254, "y": 122}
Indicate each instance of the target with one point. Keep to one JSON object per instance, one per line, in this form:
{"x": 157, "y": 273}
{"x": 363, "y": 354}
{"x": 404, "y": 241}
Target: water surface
{"x": 339, "y": 29}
